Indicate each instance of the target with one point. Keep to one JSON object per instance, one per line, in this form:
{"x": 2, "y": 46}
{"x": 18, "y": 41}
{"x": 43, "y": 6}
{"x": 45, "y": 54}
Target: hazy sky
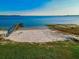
{"x": 39, "y": 7}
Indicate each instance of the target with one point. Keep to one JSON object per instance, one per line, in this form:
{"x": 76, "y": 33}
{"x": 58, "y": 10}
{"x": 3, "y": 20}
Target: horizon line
{"x": 33, "y": 15}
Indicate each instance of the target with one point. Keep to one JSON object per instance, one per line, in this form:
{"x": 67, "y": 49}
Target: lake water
{"x": 29, "y": 21}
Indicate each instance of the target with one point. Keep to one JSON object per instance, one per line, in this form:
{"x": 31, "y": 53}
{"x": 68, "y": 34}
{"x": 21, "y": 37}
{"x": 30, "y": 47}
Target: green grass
{"x": 55, "y": 50}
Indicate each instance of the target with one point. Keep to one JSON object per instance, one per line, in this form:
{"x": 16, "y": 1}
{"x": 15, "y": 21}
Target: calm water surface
{"x": 30, "y": 21}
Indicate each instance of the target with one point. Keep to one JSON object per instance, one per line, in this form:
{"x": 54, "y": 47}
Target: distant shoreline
{"x": 41, "y": 15}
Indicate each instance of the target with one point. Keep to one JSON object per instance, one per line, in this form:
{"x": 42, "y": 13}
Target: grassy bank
{"x": 66, "y": 28}
{"x": 54, "y": 50}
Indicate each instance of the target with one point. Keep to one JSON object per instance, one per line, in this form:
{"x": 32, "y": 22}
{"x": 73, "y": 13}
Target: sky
{"x": 39, "y": 7}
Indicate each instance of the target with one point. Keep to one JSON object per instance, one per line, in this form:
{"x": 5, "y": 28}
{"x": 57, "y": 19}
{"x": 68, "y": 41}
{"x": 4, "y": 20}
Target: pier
{"x": 14, "y": 28}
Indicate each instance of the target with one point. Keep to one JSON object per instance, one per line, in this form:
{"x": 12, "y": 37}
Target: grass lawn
{"x": 54, "y": 50}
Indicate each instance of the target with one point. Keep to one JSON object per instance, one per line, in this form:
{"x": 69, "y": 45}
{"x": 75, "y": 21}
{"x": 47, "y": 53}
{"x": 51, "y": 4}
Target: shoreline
{"x": 35, "y": 35}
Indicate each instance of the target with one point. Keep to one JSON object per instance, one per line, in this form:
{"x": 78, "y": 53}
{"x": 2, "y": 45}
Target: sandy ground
{"x": 36, "y": 35}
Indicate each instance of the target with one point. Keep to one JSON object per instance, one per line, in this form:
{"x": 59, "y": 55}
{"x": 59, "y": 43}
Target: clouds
{"x": 46, "y": 7}
{"x": 55, "y": 7}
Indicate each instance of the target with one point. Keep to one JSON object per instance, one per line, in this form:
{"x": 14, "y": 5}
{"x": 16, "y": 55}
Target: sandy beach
{"x": 42, "y": 34}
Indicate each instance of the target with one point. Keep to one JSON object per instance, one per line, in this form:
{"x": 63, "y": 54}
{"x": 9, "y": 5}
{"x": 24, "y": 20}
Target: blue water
{"x": 28, "y": 21}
